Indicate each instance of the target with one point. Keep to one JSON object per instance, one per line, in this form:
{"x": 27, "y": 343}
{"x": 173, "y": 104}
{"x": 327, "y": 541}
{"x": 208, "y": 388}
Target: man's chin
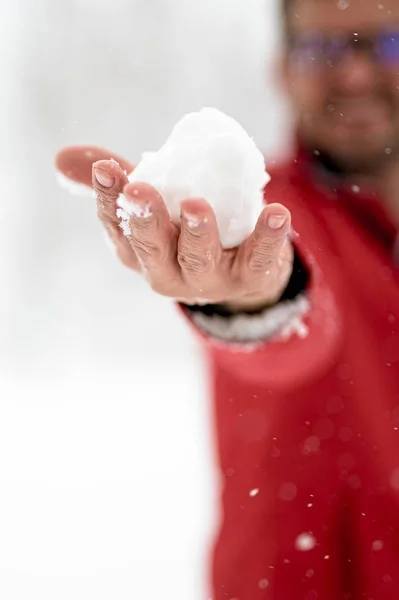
{"x": 366, "y": 153}
{"x": 358, "y": 153}
{"x": 361, "y": 159}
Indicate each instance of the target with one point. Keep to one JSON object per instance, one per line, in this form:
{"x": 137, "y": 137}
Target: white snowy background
{"x": 107, "y": 488}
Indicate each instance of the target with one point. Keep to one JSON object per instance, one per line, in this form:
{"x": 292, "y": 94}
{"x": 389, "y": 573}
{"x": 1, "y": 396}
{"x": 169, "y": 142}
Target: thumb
{"x": 74, "y": 163}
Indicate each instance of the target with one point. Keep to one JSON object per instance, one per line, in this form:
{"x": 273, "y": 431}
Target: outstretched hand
{"x": 186, "y": 262}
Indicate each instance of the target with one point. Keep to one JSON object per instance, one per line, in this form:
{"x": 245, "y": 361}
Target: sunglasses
{"x": 320, "y": 50}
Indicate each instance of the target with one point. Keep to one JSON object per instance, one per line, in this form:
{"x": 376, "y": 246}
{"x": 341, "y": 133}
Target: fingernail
{"x": 192, "y": 220}
{"x": 276, "y": 221}
{"x": 103, "y": 178}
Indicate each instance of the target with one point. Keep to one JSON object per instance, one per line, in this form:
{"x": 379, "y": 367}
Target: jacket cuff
{"x": 285, "y": 319}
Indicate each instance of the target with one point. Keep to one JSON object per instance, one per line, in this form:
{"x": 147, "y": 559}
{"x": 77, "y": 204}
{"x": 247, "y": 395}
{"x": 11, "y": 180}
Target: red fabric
{"x": 312, "y": 425}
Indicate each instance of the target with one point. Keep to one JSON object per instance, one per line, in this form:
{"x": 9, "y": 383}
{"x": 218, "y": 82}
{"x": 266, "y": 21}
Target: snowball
{"x": 209, "y": 155}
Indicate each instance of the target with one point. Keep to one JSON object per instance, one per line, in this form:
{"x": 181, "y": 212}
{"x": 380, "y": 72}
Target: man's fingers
{"x": 108, "y": 182}
{"x": 259, "y": 254}
{"x": 199, "y": 248}
{"x": 151, "y": 234}
{"x": 75, "y": 163}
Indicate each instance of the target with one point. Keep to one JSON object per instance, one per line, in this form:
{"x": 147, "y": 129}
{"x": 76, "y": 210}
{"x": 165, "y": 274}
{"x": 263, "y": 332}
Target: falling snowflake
{"x": 305, "y": 542}
{"x": 287, "y": 491}
{"x": 309, "y": 573}
{"x": 377, "y": 545}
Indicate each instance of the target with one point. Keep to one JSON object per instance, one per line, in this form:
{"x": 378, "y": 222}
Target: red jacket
{"x": 308, "y": 428}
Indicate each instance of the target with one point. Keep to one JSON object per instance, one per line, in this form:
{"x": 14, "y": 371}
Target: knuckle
{"x": 106, "y": 205}
{"x": 262, "y": 253}
{"x": 264, "y": 243}
{"x": 143, "y": 231}
{"x": 199, "y": 234}
{"x": 146, "y": 250}
{"x": 259, "y": 262}
{"x": 194, "y": 262}
{"x": 195, "y": 234}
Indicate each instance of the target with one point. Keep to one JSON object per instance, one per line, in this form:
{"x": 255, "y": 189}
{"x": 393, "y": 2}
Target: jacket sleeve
{"x": 289, "y": 343}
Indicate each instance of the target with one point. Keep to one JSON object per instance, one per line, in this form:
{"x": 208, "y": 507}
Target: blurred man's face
{"x": 342, "y": 71}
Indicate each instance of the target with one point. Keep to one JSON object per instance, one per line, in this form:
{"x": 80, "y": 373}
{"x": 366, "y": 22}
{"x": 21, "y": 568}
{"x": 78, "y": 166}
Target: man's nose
{"x": 356, "y": 72}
